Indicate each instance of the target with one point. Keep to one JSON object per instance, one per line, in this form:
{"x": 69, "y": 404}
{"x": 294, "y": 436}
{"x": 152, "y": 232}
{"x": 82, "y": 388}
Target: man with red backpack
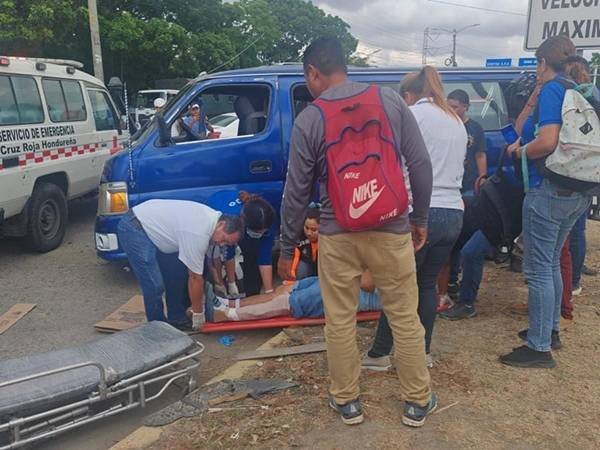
{"x": 358, "y": 141}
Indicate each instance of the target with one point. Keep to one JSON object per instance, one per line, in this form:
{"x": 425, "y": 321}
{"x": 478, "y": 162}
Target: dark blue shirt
{"x": 550, "y": 103}
{"x": 475, "y": 144}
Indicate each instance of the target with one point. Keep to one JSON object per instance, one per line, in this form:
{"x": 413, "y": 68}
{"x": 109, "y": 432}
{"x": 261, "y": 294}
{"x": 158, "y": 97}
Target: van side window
{"x": 487, "y": 105}
{"x": 104, "y": 115}
{"x": 301, "y": 98}
{"x": 65, "y": 100}
{"x": 20, "y": 101}
{"x": 224, "y": 112}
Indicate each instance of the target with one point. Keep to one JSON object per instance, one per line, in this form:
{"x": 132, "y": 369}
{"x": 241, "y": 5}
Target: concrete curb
{"x": 145, "y": 436}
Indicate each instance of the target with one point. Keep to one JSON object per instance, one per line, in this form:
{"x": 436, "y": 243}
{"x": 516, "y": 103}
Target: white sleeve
{"x": 192, "y": 249}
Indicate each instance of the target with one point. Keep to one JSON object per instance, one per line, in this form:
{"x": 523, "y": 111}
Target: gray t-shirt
{"x": 307, "y": 165}
{"x": 179, "y": 226}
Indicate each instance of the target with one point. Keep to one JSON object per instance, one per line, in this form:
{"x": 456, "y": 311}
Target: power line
{"x": 502, "y": 11}
{"x": 237, "y": 55}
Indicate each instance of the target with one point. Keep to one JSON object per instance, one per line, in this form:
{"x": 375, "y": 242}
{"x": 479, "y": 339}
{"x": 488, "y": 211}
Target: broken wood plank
{"x": 284, "y": 351}
{"x": 14, "y": 314}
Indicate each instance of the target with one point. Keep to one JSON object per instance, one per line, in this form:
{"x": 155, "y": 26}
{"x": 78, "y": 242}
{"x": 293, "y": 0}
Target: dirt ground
{"x": 483, "y": 404}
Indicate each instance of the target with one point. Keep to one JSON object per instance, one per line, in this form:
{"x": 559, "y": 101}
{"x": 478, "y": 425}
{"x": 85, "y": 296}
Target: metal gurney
{"x": 46, "y": 394}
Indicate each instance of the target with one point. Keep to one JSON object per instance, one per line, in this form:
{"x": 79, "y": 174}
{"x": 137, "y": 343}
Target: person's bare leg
{"x": 256, "y": 307}
{"x": 263, "y": 298}
{"x": 217, "y": 274}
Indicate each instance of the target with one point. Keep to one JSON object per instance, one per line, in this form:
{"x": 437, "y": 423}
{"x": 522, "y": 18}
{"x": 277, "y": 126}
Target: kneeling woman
{"x": 256, "y": 245}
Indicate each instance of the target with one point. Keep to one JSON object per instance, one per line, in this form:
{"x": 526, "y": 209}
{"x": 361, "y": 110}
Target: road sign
{"x": 577, "y": 19}
{"x": 527, "y": 62}
{"x": 498, "y": 62}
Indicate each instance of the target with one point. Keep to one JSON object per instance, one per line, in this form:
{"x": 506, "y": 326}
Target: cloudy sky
{"x": 396, "y": 27}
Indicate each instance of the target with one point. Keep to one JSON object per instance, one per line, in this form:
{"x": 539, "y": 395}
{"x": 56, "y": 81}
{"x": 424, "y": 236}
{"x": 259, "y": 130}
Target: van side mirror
{"x": 164, "y": 132}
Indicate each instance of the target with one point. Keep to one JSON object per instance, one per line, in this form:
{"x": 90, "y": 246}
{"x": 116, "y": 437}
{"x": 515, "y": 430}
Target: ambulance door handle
{"x": 261, "y": 166}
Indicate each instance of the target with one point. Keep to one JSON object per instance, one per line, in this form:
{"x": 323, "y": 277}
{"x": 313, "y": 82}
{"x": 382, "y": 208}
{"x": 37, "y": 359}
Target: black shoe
{"x": 453, "y": 289}
{"x": 589, "y": 271}
{"x": 184, "y": 325}
{"x": 351, "y": 412}
{"x": 528, "y": 358}
{"x": 554, "y": 345}
{"x": 459, "y": 311}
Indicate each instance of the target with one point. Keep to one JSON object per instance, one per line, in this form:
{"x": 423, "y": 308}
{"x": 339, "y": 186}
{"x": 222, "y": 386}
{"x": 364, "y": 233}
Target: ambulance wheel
{"x": 48, "y": 217}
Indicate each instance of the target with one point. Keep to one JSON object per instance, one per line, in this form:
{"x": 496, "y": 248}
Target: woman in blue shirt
{"x": 549, "y": 210}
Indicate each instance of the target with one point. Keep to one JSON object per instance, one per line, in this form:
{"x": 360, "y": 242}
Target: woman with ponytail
{"x": 446, "y": 140}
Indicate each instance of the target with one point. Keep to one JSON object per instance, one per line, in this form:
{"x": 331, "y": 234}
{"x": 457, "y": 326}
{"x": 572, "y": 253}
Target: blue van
{"x": 169, "y": 160}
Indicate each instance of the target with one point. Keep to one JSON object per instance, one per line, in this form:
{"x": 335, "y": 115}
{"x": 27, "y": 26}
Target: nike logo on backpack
{"x": 367, "y": 190}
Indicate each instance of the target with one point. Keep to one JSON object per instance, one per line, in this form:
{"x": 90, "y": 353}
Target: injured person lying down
{"x": 300, "y": 300}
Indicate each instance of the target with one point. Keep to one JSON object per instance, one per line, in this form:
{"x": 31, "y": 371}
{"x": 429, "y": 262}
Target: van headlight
{"x": 113, "y": 199}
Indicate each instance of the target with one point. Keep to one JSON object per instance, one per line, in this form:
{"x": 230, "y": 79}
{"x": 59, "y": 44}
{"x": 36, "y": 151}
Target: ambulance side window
{"x": 9, "y": 114}
{"x": 65, "y": 100}
{"x": 19, "y": 101}
{"x": 28, "y": 100}
{"x": 104, "y": 115}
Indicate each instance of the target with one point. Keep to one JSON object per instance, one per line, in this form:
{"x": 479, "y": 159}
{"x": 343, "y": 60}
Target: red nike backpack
{"x": 365, "y": 181}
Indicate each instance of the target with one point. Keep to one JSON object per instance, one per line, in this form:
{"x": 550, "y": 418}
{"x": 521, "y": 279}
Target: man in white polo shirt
{"x": 174, "y": 226}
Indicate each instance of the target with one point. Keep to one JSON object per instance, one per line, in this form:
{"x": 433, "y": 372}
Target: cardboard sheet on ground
{"x": 130, "y": 315}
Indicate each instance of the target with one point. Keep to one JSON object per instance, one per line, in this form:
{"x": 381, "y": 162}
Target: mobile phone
{"x": 509, "y": 133}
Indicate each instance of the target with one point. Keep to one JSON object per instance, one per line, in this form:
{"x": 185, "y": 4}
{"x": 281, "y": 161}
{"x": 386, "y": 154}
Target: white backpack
{"x": 577, "y": 155}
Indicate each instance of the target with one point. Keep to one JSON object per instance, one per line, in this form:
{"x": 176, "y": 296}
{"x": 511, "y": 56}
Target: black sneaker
{"x": 554, "y": 345}
{"x": 351, "y": 412}
{"x": 183, "y": 325}
{"x": 459, "y": 311}
{"x": 528, "y": 358}
{"x": 453, "y": 290}
{"x": 414, "y": 415}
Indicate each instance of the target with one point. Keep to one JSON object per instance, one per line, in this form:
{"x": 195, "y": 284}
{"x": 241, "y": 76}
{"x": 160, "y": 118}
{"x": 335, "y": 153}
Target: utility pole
{"x": 425, "y": 46}
{"x": 95, "y": 35}
{"x": 454, "y": 48}
{"x": 451, "y": 61}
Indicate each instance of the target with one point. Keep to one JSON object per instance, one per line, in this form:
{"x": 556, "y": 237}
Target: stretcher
{"x": 277, "y": 322}
{"x": 47, "y": 394}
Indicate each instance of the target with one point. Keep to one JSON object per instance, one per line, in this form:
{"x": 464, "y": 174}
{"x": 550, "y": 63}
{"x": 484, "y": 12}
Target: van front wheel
{"x": 48, "y": 217}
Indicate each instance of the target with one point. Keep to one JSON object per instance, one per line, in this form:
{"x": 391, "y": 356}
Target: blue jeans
{"x": 472, "y": 256}
{"x": 578, "y": 248}
{"x": 443, "y": 229}
{"x": 549, "y": 213}
{"x": 145, "y": 260}
{"x": 306, "y": 301}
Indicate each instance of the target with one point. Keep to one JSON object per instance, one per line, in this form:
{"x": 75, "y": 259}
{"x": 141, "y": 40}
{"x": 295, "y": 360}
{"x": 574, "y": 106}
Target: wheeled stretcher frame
{"x": 106, "y": 401}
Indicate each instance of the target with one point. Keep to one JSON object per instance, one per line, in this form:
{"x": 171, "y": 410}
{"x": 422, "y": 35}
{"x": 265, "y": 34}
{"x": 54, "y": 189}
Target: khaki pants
{"x": 391, "y": 260}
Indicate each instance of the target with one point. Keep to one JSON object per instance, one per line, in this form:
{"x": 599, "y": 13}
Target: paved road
{"x": 73, "y": 289}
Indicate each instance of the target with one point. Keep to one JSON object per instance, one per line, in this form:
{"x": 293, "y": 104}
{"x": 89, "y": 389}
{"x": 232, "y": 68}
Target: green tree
{"x": 302, "y": 22}
{"x": 145, "y": 40}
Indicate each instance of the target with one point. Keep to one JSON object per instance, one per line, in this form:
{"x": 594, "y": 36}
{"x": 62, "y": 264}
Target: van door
{"x": 201, "y": 163}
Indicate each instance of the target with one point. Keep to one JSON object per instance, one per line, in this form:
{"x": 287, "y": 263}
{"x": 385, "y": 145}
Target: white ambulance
{"x": 58, "y": 125}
